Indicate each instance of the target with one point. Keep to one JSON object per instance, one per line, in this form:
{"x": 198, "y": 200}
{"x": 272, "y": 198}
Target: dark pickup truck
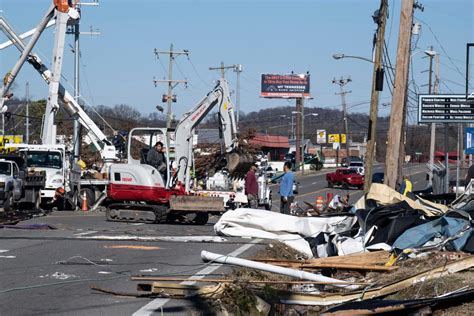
{"x": 346, "y": 178}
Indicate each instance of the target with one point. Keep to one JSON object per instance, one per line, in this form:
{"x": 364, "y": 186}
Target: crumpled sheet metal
{"x": 290, "y": 230}
{"x": 447, "y": 227}
{"x": 386, "y": 195}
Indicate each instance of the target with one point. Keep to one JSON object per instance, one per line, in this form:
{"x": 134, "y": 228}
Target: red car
{"x": 346, "y": 178}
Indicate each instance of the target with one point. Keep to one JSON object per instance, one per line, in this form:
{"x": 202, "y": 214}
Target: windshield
{"x": 349, "y": 171}
{"x": 5, "y": 168}
{"x": 356, "y": 164}
{"x": 44, "y": 159}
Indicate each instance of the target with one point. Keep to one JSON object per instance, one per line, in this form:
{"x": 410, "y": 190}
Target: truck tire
{"x": 268, "y": 206}
{"x": 201, "y": 218}
{"x": 345, "y": 186}
{"x": 330, "y": 184}
{"x": 9, "y": 202}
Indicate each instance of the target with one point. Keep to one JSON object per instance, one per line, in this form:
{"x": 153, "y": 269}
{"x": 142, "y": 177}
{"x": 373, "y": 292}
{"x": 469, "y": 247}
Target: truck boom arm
{"x": 97, "y": 137}
{"x": 219, "y": 96}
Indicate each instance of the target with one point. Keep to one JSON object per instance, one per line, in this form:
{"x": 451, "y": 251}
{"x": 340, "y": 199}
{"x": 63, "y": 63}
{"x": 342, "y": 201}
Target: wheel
{"x": 201, "y": 218}
{"x": 9, "y": 202}
{"x": 330, "y": 184}
{"x": 268, "y": 206}
{"x": 361, "y": 187}
{"x": 345, "y": 186}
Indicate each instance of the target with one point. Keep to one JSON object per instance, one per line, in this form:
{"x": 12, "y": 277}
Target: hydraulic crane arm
{"x": 219, "y": 96}
{"x": 97, "y": 137}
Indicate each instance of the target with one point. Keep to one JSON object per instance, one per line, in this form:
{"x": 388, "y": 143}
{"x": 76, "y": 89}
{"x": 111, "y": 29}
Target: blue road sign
{"x": 469, "y": 141}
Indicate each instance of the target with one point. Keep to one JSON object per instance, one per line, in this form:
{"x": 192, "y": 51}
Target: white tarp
{"x": 291, "y": 230}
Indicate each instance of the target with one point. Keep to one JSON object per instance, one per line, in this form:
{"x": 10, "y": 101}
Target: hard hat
{"x": 82, "y": 164}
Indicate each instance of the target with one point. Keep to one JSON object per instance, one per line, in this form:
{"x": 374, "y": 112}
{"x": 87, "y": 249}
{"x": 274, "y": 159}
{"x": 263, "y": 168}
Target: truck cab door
{"x": 17, "y": 183}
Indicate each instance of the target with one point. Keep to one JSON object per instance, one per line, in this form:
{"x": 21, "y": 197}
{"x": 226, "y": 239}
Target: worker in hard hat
{"x": 82, "y": 164}
{"x": 406, "y": 186}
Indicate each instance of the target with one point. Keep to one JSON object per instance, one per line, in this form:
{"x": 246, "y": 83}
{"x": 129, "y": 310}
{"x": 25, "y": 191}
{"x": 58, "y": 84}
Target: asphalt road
{"x": 50, "y": 272}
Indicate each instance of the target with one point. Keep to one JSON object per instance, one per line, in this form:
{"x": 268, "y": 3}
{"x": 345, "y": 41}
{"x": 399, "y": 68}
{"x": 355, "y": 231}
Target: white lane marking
{"x": 158, "y": 303}
{"x": 8, "y": 257}
{"x": 3, "y": 250}
{"x": 86, "y": 233}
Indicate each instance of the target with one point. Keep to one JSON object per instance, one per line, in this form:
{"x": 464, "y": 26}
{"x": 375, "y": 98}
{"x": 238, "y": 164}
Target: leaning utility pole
{"x": 342, "y": 82}
{"x": 169, "y": 98}
{"x": 377, "y": 85}
{"x": 399, "y": 95}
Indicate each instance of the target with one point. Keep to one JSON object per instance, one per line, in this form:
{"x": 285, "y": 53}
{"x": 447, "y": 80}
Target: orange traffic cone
{"x": 84, "y": 202}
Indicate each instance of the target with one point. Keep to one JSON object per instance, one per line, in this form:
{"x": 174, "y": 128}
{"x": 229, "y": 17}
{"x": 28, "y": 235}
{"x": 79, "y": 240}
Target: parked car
{"x": 357, "y": 166}
{"x": 347, "y": 160}
{"x": 345, "y": 178}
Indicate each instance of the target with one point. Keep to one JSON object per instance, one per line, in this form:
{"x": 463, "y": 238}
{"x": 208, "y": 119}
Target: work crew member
{"x": 156, "y": 158}
{"x": 251, "y": 187}
{"x": 286, "y": 189}
{"x": 406, "y": 186}
{"x": 470, "y": 174}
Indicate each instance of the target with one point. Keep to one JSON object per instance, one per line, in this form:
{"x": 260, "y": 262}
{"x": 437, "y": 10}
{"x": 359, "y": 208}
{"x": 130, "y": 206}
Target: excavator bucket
{"x": 194, "y": 203}
{"x": 238, "y": 164}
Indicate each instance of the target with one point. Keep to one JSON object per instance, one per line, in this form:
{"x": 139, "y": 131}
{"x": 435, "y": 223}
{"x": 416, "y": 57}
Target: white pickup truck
{"x": 18, "y": 188}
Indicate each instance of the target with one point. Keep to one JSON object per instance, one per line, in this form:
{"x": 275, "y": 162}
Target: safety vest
{"x": 408, "y": 186}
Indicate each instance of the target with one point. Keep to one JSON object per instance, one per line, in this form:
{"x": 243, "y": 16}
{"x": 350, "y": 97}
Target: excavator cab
{"x": 140, "y": 141}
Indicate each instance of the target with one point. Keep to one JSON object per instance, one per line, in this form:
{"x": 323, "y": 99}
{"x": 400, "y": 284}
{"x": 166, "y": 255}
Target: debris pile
{"x": 386, "y": 253}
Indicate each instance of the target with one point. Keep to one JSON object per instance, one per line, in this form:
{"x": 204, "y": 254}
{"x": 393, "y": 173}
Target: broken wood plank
{"x": 179, "y": 290}
{"x": 321, "y": 299}
{"x": 343, "y": 266}
{"x": 204, "y": 280}
{"x": 366, "y": 258}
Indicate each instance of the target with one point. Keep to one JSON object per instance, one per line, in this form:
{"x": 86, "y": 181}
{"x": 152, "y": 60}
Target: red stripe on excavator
{"x": 130, "y": 192}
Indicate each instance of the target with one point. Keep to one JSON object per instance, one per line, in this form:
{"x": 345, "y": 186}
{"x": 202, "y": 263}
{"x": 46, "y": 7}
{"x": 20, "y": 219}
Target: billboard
{"x": 445, "y": 108}
{"x": 321, "y": 136}
{"x": 285, "y": 86}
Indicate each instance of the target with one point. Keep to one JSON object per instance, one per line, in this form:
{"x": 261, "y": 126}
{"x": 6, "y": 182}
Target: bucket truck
{"x": 138, "y": 192}
{"x": 55, "y": 178}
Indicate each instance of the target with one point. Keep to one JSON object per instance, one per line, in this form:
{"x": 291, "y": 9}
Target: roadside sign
{"x": 343, "y": 138}
{"x": 321, "y": 136}
{"x": 337, "y": 138}
{"x": 469, "y": 141}
{"x": 445, "y": 108}
{"x": 333, "y": 138}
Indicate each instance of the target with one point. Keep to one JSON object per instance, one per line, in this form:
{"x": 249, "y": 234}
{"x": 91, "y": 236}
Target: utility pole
{"x": 377, "y": 85}
{"x": 342, "y": 82}
{"x": 298, "y": 140}
{"x": 223, "y": 68}
{"x": 27, "y": 124}
{"x": 74, "y": 29}
{"x": 399, "y": 95}
{"x": 433, "y": 125}
{"x": 169, "y": 98}
{"x": 238, "y": 68}
{"x": 302, "y": 133}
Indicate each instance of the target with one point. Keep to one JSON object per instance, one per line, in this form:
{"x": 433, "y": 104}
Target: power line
{"x": 442, "y": 47}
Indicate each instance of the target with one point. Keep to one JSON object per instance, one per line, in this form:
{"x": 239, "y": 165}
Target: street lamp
{"x": 341, "y": 56}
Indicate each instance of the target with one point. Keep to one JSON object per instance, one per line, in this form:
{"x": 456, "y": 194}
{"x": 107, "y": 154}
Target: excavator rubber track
{"x": 137, "y": 213}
